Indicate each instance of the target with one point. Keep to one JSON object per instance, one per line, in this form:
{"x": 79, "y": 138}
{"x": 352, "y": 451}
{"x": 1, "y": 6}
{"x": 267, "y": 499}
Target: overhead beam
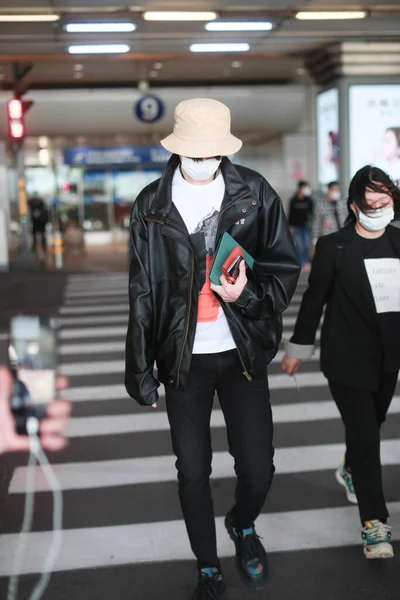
{"x": 140, "y": 57}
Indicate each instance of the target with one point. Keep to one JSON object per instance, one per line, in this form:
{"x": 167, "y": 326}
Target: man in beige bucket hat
{"x": 208, "y": 338}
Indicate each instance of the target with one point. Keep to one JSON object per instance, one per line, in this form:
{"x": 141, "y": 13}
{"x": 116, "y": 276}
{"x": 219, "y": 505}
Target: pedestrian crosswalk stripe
{"x": 68, "y": 321}
{"x": 118, "y": 392}
{"x": 102, "y": 308}
{"x": 111, "y": 331}
{"x": 92, "y": 332}
{"x": 109, "y": 366}
{"x": 134, "y": 471}
{"x": 299, "y": 412}
{"x": 106, "y": 309}
{"x": 167, "y": 541}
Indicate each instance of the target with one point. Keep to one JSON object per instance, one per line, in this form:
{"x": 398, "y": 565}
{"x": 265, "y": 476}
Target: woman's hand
{"x": 290, "y": 365}
{"x": 230, "y": 292}
{"x": 51, "y": 428}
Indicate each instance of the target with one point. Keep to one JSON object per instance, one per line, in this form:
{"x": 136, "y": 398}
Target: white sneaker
{"x": 343, "y": 476}
{"x": 376, "y": 538}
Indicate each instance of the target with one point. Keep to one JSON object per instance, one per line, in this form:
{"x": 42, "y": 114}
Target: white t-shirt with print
{"x": 199, "y": 206}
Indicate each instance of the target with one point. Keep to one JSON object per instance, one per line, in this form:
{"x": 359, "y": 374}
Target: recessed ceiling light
{"x": 158, "y": 65}
{"x": 99, "y": 49}
{"x": 43, "y": 141}
{"x": 301, "y": 71}
{"x": 238, "y": 47}
{"x": 100, "y": 27}
{"x": 78, "y": 75}
{"x": 179, "y": 16}
{"x": 236, "y": 64}
{"x": 78, "y": 67}
{"x": 239, "y": 26}
{"x": 44, "y": 18}
{"x": 331, "y": 15}
{"x": 153, "y": 74}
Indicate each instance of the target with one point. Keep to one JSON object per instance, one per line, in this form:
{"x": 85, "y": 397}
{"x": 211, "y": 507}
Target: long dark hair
{"x": 374, "y": 179}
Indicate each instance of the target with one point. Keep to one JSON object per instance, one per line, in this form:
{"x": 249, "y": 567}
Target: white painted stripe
{"x": 117, "y": 391}
{"x": 92, "y": 348}
{"x": 92, "y": 332}
{"x": 103, "y": 276}
{"x": 299, "y": 412}
{"x": 134, "y": 471}
{"x": 168, "y": 541}
{"x": 94, "y": 293}
{"x": 115, "y": 308}
{"x": 111, "y": 366}
{"x": 110, "y": 331}
{"x": 104, "y": 319}
{"x": 70, "y": 290}
{"x": 103, "y": 308}
{"x": 97, "y": 301}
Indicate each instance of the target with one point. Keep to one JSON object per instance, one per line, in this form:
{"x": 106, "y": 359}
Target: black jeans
{"x": 363, "y": 413}
{"x": 36, "y": 233}
{"x": 248, "y": 418}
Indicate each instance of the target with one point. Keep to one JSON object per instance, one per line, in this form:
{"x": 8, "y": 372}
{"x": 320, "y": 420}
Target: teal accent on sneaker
{"x": 248, "y": 531}
{"x": 256, "y": 570}
{"x": 209, "y": 571}
{"x": 343, "y": 476}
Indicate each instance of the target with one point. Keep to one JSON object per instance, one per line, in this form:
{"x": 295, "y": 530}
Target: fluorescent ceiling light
{"x": 239, "y": 26}
{"x": 179, "y": 16}
{"x": 331, "y": 15}
{"x": 99, "y": 27}
{"x": 44, "y": 18}
{"x": 99, "y": 49}
{"x": 239, "y": 47}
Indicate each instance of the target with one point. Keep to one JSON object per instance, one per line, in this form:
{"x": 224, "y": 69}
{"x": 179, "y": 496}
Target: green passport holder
{"x": 225, "y": 247}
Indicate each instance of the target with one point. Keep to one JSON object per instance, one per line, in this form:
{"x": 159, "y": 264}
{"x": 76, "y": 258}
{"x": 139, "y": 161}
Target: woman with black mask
{"x": 356, "y": 275}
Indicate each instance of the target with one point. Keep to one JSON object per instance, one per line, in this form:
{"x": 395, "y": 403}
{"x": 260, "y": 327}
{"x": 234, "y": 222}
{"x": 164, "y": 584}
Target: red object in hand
{"x": 231, "y": 267}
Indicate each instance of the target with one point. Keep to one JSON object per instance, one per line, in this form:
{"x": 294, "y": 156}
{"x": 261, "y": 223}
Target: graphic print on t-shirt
{"x": 203, "y": 239}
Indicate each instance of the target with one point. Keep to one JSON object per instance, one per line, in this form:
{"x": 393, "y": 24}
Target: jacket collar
{"x": 236, "y": 189}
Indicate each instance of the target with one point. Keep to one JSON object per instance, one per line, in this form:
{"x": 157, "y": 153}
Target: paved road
{"x": 124, "y": 537}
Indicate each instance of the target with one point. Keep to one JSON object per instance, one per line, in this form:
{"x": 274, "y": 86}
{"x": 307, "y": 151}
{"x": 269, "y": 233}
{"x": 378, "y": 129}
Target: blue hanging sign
{"x": 116, "y": 156}
{"x": 149, "y": 109}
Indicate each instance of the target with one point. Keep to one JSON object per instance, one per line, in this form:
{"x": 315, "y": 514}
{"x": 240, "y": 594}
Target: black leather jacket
{"x": 164, "y": 286}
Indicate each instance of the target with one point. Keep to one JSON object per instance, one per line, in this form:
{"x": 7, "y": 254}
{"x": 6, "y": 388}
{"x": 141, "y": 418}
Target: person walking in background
{"x": 208, "y": 338}
{"x": 300, "y": 218}
{"x": 356, "y": 275}
{"x": 39, "y": 219}
{"x": 330, "y": 214}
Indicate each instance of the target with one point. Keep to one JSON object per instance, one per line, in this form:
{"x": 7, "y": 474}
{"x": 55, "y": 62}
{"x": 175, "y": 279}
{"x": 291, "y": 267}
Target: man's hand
{"x": 290, "y": 365}
{"x": 230, "y": 292}
{"x": 51, "y": 428}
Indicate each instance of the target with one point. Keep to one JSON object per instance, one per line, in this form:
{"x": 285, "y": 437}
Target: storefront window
{"x": 97, "y": 196}
{"x": 127, "y": 186}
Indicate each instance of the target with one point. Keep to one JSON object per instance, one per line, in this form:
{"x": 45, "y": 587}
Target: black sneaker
{"x": 251, "y": 558}
{"x": 211, "y": 586}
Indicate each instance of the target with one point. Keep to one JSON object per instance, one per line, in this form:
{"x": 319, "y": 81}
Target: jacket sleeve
{"x": 317, "y": 223}
{"x": 320, "y": 285}
{"x": 276, "y": 268}
{"x": 140, "y": 382}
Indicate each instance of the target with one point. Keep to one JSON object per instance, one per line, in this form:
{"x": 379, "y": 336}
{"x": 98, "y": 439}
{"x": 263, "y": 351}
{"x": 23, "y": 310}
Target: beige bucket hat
{"x": 202, "y": 129}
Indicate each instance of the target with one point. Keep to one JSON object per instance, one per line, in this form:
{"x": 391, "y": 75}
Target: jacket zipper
{"x": 187, "y": 325}
{"x": 190, "y": 301}
{"x": 245, "y": 372}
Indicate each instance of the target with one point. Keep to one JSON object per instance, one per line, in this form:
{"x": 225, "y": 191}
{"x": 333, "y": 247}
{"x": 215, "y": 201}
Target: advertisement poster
{"x": 374, "y": 112}
{"x": 328, "y": 136}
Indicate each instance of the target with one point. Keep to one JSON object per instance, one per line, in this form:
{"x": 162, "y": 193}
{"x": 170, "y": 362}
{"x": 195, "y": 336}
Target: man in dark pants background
{"x": 206, "y": 338}
{"x": 39, "y": 219}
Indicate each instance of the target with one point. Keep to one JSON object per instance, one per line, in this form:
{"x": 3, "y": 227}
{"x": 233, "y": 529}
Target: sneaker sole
{"x": 383, "y": 550}
{"x": 350, "y": 497}
{"x": 252, "y": 585}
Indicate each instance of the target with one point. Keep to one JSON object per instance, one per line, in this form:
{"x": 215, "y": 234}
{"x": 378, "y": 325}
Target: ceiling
{"x": 275, "y": 57}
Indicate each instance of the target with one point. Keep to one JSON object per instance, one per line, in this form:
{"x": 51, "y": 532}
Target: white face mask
{"x": 380, "y": 218}
{"x": 307, "y": 191}
{"x": 200, "y": 171}
{"x": 335, "y": 195}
